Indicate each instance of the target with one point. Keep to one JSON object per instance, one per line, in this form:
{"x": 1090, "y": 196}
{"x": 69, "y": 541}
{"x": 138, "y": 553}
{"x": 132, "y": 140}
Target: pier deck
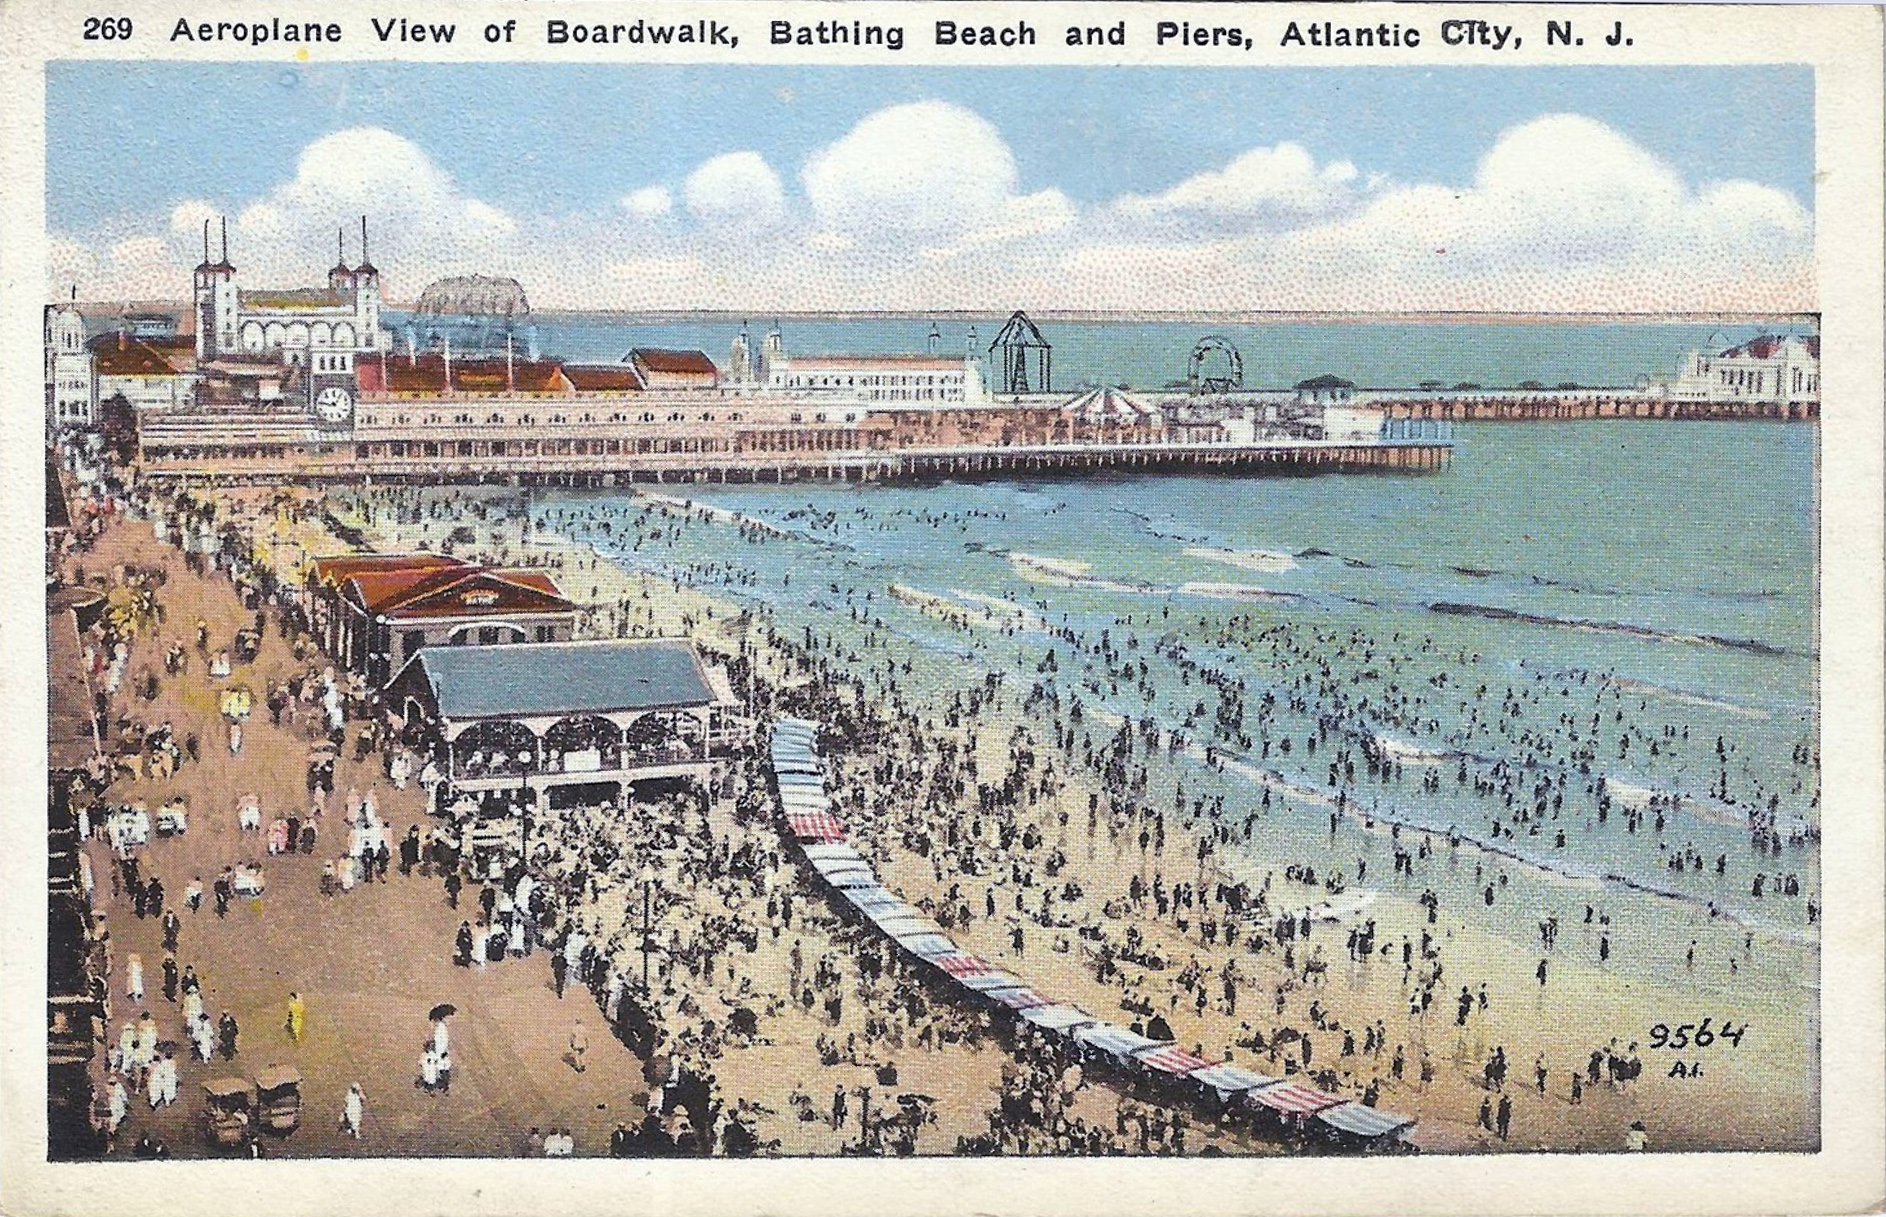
{"x": 339, "y": 462}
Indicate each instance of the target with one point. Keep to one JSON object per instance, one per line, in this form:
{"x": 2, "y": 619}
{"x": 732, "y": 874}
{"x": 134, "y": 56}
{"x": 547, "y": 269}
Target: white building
{"x": 294, "y": 325}
{"x": 315, "y": 333}
{"x": 71, "y": 399}
{"x": 890, "y": 381}
{"x": 1771, "y": 368}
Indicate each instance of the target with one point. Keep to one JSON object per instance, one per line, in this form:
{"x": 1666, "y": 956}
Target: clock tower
{"x": 331, "y": 388}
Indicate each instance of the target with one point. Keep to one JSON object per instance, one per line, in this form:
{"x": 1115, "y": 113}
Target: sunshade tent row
{"x": 812, "y": 822}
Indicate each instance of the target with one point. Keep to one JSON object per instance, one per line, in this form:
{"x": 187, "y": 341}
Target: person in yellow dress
{"x": 297, "y": 1016}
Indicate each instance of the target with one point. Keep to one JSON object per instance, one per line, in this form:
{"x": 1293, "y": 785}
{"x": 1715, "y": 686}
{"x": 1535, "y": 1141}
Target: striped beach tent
{"x": 1115, "y": 1041}
{"x": 992, "y": 981}
{"x": 1168, "y": 1059}
{"x": 1294, "y": 1099}
{"x": 1360, "y": 1121}
{"x": 959, "y": 964}
{"x": 1020, "y": 999}
{"x": 1228, "y": 1080}
{"x": 1058, "y": 1016}
{"x": 834, "y": 851}
{"x": 815, "y": 826}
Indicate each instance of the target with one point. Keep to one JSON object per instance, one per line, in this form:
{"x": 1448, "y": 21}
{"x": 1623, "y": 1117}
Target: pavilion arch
{"x": 583, "y": 733}
{"x": 666, "y": 735}
{"x": 344, "y": 335}
{"x": 504, "y": 632}
{"x": 495, "y": 747}
{"x": 277, "y": 334}
{"x": 252, "y": 337}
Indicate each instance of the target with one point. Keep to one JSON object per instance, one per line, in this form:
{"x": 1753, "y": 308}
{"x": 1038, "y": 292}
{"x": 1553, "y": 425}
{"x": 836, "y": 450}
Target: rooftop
{"x": 659, "y": 359}
{"x": 557, "y": 678}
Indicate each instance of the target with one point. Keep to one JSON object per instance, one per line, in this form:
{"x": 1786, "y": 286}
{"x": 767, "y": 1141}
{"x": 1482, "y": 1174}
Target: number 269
{"x": 107, "y": 29}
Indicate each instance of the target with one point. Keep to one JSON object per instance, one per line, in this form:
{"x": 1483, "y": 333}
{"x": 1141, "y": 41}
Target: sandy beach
{"x": 1058, "y": 844}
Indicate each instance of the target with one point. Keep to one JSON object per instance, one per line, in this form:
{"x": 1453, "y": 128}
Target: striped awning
{"x": 1167, "y": 1059}
{"x": 1057, "y": 1017}
{"x": 1361, "y": 1121}
{"x": 1114, "y": 1040}
{"x": 959, "y": 965}
{"x": 1294, "y": 1098}
{"x": 815, "y": 826}
{"x": 836, "y": 851}
{"x": 991, "y": 981}
{"x": 1229, "y": 1079}
{"x": 1020, "y": 999}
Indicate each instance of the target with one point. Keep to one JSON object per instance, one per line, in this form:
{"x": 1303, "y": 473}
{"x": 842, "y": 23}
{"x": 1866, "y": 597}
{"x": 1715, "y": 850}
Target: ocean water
{"x": 1153, "y": 354}
{"x": 1640, "y": 583}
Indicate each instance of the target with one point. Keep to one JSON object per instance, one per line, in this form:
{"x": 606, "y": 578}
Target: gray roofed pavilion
{"x": 528, "y": 680}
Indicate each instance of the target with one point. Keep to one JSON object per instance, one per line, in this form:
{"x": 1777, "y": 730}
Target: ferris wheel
{"x": 1226, "y": 366}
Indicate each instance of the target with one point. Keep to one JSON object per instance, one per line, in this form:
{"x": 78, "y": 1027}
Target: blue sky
{"x": 635, "y": 186}
{"x": 166, "y": 128}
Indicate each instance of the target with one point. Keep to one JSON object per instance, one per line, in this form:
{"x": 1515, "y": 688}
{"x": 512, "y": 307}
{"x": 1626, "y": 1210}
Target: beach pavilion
{"x": 570, "y": 719}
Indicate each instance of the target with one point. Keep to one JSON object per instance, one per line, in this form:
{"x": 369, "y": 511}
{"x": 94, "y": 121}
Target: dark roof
{"x": 658, "y": 359}
{"x": 1326, "y": 381}
{"x": 336, "y": 569}
{"x": 1767, "y": 346}
{"x": 563, "y": 678}
{"x": 603, "y": 378}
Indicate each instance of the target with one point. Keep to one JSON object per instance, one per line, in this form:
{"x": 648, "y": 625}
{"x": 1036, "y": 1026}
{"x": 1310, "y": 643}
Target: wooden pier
{"x": 339, "y": 463}
{"x": 1553, "y": 406}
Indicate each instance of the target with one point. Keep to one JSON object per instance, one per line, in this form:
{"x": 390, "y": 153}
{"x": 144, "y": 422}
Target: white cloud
{"x": 735, "y": 187}
{"x": 1262, "y": 188}
{"x": 927, "y": 172}
{"x": 649, "y": 202}
{"x": 922, "y": 205}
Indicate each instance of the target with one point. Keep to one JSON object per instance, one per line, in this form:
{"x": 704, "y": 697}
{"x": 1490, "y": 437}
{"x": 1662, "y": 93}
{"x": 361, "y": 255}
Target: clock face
{"x": 334, "y": 404}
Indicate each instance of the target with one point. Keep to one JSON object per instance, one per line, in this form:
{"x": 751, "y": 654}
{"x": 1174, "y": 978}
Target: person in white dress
{"x": 119, "y": 1104}
{"x": 354, "y": 1112}
{"x": 134, "y": 978}
{"x": 441, "y": 1038}
{"x": 429, "y": 1069}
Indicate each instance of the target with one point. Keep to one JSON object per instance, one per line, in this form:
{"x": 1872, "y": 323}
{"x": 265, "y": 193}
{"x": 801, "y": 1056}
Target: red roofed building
{"x": 375, "y": 612}
{"x": 435, "y": 375}
{"x": 665, "y": 369}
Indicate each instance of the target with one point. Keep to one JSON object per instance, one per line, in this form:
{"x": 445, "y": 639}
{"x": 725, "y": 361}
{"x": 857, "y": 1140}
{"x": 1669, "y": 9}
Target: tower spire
{"x": 363, "y": 240}
{"x": 206, "y": 240}
{"x": 225, "y": 240}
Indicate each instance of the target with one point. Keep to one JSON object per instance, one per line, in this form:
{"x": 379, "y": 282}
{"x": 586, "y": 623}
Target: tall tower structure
{"x": 213, "y": 298}
{"x": 341, "y": 278}
{"x": 772, "y": 354}
{"x": 740, "y": 361}
{"x": 367, "y": 294}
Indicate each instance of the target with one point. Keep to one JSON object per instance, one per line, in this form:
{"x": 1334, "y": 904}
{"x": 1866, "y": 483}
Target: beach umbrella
{"x": 443, "y": 1010}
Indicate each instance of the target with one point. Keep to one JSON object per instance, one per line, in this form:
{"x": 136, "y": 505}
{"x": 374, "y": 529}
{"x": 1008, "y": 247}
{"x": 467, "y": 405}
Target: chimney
{"x": 206, "y": 240}
{"x": 363, "y": 240}
{"x": 225, "y": 240}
